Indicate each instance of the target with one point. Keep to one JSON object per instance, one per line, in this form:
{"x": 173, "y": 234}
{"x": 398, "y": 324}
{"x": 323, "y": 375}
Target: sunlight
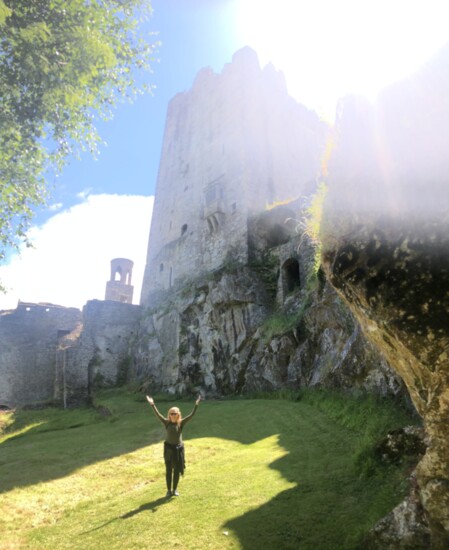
{"x": 22, "y": 431}
{"x": 327, "y": 49}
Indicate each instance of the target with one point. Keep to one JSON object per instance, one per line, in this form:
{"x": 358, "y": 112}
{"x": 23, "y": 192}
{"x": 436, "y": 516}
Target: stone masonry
{"x": 29, "y": 337}
{"x": 233, "y": 144}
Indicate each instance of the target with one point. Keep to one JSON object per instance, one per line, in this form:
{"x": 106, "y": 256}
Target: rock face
{"x": 386, "y": 251}
{"x": 258, "y": 327}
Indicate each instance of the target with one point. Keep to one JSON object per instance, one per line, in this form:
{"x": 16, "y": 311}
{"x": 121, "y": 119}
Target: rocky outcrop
{"x": 240, "y": 331}
{"x": 386, "y": 251}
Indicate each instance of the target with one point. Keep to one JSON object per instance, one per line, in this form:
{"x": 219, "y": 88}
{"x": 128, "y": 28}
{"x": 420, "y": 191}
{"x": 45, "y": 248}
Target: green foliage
{"x": 368, "y": 417}
{"x": 313, "y": 227}
{"x": 315, "y": 213}
{"x": 63, "y": 65}
{"x": 267, "y": 269}
{"x": 310, "y": 228}
{"x": 279, "y": 322}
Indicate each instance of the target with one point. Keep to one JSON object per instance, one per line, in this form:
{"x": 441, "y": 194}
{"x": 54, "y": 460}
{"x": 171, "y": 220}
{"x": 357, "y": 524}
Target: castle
{"x": 233, "y": 144}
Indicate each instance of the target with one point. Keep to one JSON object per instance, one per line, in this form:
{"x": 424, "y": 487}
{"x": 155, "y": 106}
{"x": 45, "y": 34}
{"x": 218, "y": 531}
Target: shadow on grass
{"x": 39, "y": 456}
{"x": 326, "y": 509}
{"x": 330, "y": 507}
{"x": 61, "y": 442}
{"x": 148, "y": 507}
{"x": 55, "y": 447}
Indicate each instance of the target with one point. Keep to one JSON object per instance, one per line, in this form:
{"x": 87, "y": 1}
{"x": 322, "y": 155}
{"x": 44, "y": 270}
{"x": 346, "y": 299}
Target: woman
{"x": 173, "y": 445}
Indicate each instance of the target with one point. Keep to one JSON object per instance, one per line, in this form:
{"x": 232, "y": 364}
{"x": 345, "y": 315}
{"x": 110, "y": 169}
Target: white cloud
{"x": 84, "y": 193}
{"x": 70, "y": 263}
{"x": 55, "y": 206}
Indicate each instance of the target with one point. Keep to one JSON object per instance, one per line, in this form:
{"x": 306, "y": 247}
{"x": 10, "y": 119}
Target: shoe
{"x": 175, "y": 493}
{"x": 168, "y": 495}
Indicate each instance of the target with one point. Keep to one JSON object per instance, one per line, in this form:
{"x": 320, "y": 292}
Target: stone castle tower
{"x": 119, "y": 288}
{"x": 233, "y": 144}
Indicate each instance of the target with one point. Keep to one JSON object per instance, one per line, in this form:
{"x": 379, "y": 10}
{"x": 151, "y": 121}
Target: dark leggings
{"x": 171, "y": 467}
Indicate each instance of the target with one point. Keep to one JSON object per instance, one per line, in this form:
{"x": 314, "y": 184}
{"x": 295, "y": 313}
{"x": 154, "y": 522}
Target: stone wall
{"x": 29, "y": 337}
{"x": 99, "y": 356}
{"x": 54, "y": 353}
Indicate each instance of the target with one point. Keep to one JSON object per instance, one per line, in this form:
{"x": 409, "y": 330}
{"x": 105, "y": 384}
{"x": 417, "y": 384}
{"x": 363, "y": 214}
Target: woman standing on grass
{"x": 173, "y": 445}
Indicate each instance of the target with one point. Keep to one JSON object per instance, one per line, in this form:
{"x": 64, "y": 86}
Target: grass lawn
{"x": 260, "y": 474}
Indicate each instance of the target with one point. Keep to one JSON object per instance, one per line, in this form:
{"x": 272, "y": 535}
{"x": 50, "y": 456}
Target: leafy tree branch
{"x": 63, "y": 66}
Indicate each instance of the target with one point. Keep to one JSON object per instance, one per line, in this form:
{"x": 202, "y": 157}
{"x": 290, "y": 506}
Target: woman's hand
{"x": 197, "y": 402}
{"x": 150, "y": 400}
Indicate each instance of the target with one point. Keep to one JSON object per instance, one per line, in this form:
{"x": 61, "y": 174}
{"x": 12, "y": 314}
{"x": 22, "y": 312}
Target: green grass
{"x": 260, "y": 473}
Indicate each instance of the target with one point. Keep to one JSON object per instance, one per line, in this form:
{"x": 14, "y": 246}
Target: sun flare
{"x": 327, "y": 49}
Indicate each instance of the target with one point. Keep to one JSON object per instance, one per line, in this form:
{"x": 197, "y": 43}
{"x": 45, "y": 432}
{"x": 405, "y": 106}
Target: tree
{"x": 63, "y": 65}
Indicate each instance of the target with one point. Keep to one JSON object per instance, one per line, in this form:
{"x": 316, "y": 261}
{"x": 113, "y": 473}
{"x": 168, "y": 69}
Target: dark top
{"x": 173, "y": 431}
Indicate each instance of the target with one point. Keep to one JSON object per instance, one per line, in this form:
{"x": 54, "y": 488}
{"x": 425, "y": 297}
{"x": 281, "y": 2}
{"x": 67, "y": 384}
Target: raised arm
{"x": 189, "y": 416}
{"x": 156, "y": 412}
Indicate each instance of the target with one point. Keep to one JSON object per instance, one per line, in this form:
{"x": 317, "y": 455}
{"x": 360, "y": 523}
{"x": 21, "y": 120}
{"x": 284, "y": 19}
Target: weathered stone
{"x": 402, "y": 444}
{"x": 101, "y": 353}
{"x": 233, "y": 144}
{"x": 404, "y": 528}
{"x": 222, "y": 336}
{"x": 29, "y": 337}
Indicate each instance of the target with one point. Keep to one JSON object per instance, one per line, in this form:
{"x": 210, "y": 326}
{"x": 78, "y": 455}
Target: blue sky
{"x": 194, "y": 34}
{"x": 101, "y": 209}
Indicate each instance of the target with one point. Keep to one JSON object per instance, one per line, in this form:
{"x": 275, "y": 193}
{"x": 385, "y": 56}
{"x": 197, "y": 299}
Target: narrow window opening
{"x": 184, "y": 229}
{"x": 290, "y": 272}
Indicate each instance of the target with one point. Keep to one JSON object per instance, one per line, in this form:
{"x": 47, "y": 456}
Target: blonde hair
{"x": 177, "y": 411}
